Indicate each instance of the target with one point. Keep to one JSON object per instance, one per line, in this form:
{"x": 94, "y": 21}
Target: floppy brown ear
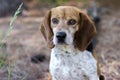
{"x": 46, "y": 30}
{"x": 85, "y": 32}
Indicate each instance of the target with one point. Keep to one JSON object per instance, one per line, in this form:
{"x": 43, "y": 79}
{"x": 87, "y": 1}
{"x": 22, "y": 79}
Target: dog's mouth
{"x": 61, "y": 41}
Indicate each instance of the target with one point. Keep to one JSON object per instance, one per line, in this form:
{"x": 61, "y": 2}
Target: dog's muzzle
{"x": 61, "y": 37}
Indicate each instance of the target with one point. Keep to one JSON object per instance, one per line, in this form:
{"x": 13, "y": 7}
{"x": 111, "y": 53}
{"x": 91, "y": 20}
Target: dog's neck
{"x": 68, "y": 49}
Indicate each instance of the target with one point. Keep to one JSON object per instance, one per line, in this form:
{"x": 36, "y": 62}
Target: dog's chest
{"x": 74, "y": 65}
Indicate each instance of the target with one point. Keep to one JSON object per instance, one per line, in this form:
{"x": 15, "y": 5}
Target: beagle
{"x": 68, "y": 32}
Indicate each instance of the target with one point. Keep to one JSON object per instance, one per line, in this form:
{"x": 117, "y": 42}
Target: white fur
{"x": 68, "y": 63}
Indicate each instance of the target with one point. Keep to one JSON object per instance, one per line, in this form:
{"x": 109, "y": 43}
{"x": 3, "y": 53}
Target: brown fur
{"x": 46, "y": 30}
{"x": 85, "y": 32}
{"x": 98, "y": 67}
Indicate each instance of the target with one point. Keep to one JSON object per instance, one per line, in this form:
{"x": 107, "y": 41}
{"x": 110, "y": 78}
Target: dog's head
{"x": 67, "y": 25}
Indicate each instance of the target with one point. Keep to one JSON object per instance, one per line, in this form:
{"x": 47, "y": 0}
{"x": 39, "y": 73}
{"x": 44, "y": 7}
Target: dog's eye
{"x": 71, "y": 22}
{"x": 55, "y": 20}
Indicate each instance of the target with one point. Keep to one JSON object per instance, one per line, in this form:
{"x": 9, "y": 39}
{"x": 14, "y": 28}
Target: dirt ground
{"x": 25, "y": 41}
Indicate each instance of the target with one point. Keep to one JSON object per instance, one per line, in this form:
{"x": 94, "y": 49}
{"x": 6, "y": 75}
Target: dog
{"x": 69, "y": 32}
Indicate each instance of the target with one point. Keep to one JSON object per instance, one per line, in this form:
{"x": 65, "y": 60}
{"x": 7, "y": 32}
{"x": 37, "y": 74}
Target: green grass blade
{"x": 11, "y": 25}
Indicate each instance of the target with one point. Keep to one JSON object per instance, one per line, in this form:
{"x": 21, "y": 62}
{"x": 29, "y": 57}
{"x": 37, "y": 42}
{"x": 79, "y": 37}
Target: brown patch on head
{"x": 65, "y": 12}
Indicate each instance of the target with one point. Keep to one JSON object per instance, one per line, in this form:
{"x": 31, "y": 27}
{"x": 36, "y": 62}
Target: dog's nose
{"x": 61, "y": 37}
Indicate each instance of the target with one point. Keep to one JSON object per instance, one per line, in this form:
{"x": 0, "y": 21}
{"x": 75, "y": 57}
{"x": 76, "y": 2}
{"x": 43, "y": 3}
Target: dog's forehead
{"x": 65, "y": 11}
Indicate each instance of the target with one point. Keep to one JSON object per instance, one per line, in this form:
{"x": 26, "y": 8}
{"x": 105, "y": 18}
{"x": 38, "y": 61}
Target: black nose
{"x": 61, "y": 36}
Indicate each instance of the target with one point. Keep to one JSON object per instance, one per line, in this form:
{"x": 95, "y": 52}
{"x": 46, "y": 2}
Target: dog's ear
{"x": 85, "y": 32}
{"x": 46, "y": 30}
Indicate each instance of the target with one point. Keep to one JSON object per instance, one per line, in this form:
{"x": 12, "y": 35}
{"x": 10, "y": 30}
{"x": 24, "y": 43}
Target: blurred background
{"x": 24, "y": 55}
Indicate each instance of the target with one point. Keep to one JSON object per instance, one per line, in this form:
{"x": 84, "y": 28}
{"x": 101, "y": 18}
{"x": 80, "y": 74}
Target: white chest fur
{"x": 71, "y": 64}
